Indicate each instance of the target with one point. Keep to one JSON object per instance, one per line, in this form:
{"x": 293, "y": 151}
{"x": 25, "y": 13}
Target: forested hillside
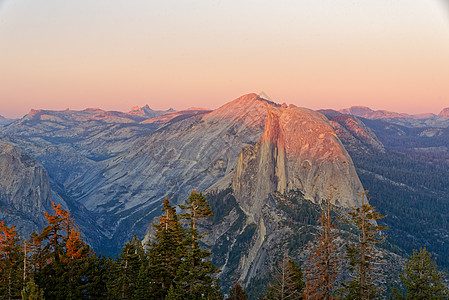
{"x": 58, "y": 264}
{"x": 408, "y": 181}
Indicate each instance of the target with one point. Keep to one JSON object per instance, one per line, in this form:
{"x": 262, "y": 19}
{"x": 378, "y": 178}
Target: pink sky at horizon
{"x": 116, "y": 54}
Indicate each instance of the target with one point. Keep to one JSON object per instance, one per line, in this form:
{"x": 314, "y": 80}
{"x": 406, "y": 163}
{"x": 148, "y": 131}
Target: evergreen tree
{"x": 166, "y": 251}
{"x": 11, "y": 262}
{"x": 56, "y": 233}
{"x": 237, "y": 293}
{"x": 141, "y": 290}
{"x": 126, "y": 269}
{"x": 32, "y": 291}
{"x": 287, "y": 281}
{"x": 361, "y": 254}
{"x": 197, "y": 209}
{"x": 324, "y": 259}
{"x": 35, "y": 253}
{"x": 196, "y": 274}
{"x": 61, "y": 266}
{"x": 96, "y": 274}
{"x": 421, "y": 278}
{"x": 174, "y": 293}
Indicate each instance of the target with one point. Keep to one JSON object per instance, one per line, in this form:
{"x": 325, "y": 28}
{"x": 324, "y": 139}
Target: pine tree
{"x": 175, "y": 293}
{"x": 237, "y": 293}
{"x": 197, "y": 209}
{"x": 324, "y": 259}
{"x": 142, "y": 284}
{"x": 287, "y": 281}
{"x": 96, "y": 274}
{"x": 360, "y": 255}
{"x": 421, "y": 278}
{"x": 61, "y": 266}
{"x": 32, "y": 291}
{"x": 166, "y": 251}
{"x": 196, "y": 274}
{"x": 35, "y": 253}
{"x": 11, "y": 262}
{"x": 126, "y": 269}
{"x": 56, "y": 233}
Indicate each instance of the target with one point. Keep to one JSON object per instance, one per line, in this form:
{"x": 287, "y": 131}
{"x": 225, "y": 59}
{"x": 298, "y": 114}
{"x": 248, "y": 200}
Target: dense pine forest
{"x": 57, "y": 264}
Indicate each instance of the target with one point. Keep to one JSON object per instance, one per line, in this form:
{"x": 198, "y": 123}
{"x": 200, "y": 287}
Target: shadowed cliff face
{"x": 298, "y": 150}
{"x": 24, "y": 189}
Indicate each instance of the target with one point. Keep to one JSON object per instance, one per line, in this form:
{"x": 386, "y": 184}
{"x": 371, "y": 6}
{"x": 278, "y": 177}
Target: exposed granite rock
{"x": 298, "y": 150}
{"x": 119, "y": 168}
{"x": 24, "y": 189}
{"x": 353, "y": 131}
{"x": 444, "y": 112}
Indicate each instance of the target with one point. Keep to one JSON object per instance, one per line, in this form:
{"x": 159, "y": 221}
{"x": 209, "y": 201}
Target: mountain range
{"x": 5, "y": 121}
{"x": 264, "y": 166}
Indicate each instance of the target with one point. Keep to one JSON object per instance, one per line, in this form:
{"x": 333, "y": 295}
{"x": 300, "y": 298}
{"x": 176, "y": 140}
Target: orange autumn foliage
{"x": 8, "y": 237}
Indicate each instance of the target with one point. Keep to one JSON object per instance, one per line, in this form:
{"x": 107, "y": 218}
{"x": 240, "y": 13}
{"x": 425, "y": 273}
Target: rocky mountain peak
{"x": 146, "y": 111}
{"x": 357, "y": 110}
{"x": 249, "y": 109}
{"x": 298, "y": 150}
{"x": 444, "y": 112}
{"x": 136, "y": 110}
{"x": 368, "y": 113}
{"x": 34, "y": 113}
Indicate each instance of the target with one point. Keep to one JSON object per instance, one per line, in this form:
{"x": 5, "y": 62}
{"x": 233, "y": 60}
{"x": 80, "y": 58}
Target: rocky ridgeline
{"x": 298, "y": 151}
{"x": 113, "y": 169}
{"x": 444, "y": 112}
{"x": 407, "y": 120}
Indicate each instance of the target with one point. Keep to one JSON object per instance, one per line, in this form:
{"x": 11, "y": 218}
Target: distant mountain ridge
{"x": 368, "y": 113}
{"x": 115, "y": 168}
{"x": 416, "y": 120}
{"x": 6, "y": 121}
{"x": 264, "y": 167}
{"x": 444, "y": 112}
{"x": 146, "y": 111}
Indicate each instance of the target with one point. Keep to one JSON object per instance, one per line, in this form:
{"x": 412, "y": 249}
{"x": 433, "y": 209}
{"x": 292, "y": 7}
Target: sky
{"x": 115, "y": 54}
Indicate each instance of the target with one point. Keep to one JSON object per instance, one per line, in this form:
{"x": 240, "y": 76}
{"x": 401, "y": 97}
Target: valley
{"x": 264, "y": 167}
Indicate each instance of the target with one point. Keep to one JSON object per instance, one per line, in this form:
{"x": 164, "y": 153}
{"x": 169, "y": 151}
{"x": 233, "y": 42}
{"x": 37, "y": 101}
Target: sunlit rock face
{"x": 444, "y": 112}
{"x": 298, "y": 150}
{"x": 118, "y": 167}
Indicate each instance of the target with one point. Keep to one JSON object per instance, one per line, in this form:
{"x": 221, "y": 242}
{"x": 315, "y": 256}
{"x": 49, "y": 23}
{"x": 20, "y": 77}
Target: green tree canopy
{"x": 422, "y": 279}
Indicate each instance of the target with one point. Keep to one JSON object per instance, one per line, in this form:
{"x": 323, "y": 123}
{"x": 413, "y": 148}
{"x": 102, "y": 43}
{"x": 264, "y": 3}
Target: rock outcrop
{"x": 444, "y": 112}
{"x": 25, "y": 191}
{"x": 368, "y": 113}
{"x": 147, "y": 112}
{"x": 119, "y": 167}
{"x": 353, "y": 132}
{"x": 407, "y": 120}
{"x": 298, "y": 150}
